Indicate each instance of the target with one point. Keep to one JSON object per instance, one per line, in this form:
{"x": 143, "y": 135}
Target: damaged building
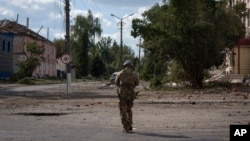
{"x": 13, "y": 40}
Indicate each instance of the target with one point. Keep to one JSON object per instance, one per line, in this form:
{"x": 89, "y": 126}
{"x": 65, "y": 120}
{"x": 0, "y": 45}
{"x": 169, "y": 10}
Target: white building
{"x": 240, "y": 54}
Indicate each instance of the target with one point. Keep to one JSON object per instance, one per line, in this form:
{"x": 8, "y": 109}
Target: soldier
{"x": 126, "y": 80}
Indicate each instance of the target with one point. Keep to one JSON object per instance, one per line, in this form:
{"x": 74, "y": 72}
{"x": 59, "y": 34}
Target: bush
{"x": 155, "y": 82}
{"x": 26, "y": 80}
{"x": 218, "y": 84}
{"x": 176, "y": 73}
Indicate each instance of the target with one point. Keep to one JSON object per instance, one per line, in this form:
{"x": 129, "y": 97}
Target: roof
{"x": 7, "y": 26}
{"x": 244, "y": 41}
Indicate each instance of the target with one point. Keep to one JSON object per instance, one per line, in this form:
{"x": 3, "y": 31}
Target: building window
{"x": 3, "y": 45}
{"x": 8, "y": 46}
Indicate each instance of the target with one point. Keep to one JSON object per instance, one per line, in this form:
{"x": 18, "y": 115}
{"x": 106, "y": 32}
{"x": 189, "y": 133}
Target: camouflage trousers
{"x": 126, "y": 99}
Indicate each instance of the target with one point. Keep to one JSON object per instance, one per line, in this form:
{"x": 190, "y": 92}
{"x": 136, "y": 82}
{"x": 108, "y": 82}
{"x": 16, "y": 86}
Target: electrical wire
{"x": 59, "y": 9}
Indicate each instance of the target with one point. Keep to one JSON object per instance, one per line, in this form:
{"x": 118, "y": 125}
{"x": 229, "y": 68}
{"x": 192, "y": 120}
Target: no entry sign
{"x": 66, "y": 59}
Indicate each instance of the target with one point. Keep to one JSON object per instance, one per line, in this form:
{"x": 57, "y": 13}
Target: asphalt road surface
{"x": 47, "y": 113}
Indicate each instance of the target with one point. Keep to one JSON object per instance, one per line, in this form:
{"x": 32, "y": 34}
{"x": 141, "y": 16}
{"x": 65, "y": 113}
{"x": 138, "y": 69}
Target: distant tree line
{"x": 93, "y": 55}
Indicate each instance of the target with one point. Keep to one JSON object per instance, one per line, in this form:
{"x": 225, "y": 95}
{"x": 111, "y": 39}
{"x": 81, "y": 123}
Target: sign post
{"x": 67, "y": 60}
{"x": 67, "y": 45}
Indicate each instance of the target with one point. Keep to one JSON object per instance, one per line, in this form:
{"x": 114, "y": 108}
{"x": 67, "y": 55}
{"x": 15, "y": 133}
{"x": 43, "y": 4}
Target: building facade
{"x": 241, "y": 57}
{"x": 16, "y": 45}
{"x": 6, "y": 49}
{"x": 238, "y": 59}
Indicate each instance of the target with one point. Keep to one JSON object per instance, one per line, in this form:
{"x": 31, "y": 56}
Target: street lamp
{"x": 121, "y": 44}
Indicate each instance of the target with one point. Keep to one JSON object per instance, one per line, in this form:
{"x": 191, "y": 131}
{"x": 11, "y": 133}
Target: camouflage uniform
{"x": 126, "y": 80}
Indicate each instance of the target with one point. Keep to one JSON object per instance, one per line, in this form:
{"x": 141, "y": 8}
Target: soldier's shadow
{"x": 160, "y": 135}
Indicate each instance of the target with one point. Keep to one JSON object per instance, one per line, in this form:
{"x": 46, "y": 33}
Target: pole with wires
{"x": 67, "y": 38}
{"x": 121, "y": 44}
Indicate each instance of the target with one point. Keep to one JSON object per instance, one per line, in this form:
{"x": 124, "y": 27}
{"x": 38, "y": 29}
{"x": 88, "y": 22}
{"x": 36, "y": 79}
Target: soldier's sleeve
{"x": 117, "y": 79}
{"x": 136, "y": 80}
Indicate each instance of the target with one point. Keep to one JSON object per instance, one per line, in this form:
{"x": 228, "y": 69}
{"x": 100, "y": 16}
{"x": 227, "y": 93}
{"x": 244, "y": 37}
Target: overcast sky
{"x": 46, "y": 14}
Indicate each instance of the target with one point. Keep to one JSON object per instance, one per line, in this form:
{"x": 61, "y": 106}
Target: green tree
{"x": 98, "y": 67}
{"x": 194, "y": 33}
{"x": 154, "y": 32}
{"x": 105, "y": 52}
{"x": 83, "y": 38}
{"x": 128, "y": 53}
{"x": 27, "y": 67}
{"x": 108, "y": 52}
{"x": 115, "y": 51}
{"x": 199, "y": 33}
{"x": 60, "y": 47}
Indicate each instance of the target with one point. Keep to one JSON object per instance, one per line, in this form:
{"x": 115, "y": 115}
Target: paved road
{"x": 43, "y": 113}
{"x": 71, "y": 128}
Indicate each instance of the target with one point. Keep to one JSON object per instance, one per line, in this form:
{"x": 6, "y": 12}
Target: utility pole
{"x": 121, "y": 44}
{"x": 139, "y": 62}
{"x": 48, "y": 33}
{"x": 27, "y": 22}
{"x": 67, "y": 38}
{"x": 17, "y": 17}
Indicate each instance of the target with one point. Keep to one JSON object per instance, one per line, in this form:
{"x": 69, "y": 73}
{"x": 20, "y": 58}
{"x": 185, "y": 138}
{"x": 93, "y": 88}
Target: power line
{"x": 92, "y": 6}
{"x": 59, "y": 9}
{"x": 83, "y": 4}
{"x": 97, "y": 8}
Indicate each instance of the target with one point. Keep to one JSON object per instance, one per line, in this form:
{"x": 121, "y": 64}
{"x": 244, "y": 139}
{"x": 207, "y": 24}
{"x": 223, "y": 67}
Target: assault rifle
{"x": 112, "y": 82}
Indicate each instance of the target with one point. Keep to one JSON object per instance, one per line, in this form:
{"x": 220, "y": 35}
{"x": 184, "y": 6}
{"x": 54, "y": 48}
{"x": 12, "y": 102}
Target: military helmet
{"x": 128, "y": 63}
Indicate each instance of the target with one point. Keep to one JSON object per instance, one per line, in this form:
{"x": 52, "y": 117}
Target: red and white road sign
{"x": 66, "y": 59}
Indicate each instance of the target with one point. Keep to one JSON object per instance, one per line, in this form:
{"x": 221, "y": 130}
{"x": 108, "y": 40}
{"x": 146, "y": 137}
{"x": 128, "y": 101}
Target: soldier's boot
{"x": 125, "y": 125}
{"x": 130, "y": 128}
{"x": 130, "y": 122}
{"x": 126, "y": 130}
